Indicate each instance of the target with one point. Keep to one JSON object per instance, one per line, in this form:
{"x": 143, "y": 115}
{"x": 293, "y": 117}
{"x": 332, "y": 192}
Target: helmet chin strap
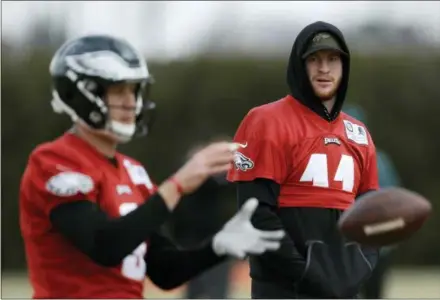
{"x": 124, "y": 132}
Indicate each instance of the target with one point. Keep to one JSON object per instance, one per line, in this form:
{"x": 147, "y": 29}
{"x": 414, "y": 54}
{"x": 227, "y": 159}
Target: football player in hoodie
{"x": 307, "y": 162}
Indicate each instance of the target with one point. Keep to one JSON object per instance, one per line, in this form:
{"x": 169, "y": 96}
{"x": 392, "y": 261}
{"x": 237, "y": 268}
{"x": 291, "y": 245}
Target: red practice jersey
{"x": 317, "y": 163}
{"x": 56, "y": 268}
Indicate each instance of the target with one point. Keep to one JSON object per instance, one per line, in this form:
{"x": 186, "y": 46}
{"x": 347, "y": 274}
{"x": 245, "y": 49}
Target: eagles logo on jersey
{"x": 242, "y": 162}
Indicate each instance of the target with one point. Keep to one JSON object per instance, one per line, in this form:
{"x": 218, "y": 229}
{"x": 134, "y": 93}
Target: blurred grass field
{"x": 400, "y": 283}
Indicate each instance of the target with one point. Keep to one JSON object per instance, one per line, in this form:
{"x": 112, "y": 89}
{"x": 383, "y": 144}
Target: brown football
{"x": 384, "y": 217}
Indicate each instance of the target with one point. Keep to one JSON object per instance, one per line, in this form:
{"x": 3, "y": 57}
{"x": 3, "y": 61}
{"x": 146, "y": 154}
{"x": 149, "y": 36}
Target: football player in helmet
{"x": 89, "y": 215}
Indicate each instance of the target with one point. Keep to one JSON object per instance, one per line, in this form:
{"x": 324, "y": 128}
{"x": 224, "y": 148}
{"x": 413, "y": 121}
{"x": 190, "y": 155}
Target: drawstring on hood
{"x": 298, "y": 80}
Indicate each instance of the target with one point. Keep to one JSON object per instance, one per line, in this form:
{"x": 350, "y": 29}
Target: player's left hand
{"x": 240, "y": 238}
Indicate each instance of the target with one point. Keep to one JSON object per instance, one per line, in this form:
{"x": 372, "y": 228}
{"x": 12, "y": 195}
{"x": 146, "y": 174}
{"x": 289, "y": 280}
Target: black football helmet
{"x": 84, "y": 67}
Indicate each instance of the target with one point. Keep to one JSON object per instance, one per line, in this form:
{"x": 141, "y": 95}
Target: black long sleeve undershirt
{"x": 108, "y": 240}
{"x": 286, "y": 261}
{"x": 170, "y": 267}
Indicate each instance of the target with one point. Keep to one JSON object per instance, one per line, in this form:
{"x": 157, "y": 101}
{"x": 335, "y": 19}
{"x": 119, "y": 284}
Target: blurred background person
{"x": 186, "y": 231}
{"x": 388, "y": 177}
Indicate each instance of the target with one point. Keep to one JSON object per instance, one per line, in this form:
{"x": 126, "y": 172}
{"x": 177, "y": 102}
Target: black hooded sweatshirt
{"x": 312, "y": 262}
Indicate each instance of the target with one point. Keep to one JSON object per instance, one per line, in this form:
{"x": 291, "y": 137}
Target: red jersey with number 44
{"x": 68, "y": 169}
{"x": 317, "y": 163}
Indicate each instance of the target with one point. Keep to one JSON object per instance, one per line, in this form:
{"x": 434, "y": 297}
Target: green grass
{"x": 400, "y": 283}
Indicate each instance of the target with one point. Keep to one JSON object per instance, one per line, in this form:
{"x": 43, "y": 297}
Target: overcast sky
{"x": 180, "y": 26}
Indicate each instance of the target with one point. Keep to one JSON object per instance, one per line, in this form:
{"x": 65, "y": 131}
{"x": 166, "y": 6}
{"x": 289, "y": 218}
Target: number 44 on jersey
{"x": 317, "y": 171}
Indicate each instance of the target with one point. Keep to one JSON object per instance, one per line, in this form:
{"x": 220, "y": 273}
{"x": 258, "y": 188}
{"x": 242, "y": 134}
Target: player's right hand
{"x": 213, "y": 159}
{"x": 239, "y": 238}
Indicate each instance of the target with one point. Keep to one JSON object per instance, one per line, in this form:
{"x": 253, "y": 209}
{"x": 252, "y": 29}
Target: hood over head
{"x": 297, "y": 78}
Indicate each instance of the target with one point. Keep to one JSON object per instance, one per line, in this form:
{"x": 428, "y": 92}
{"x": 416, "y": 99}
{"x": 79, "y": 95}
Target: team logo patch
{"x": 242, "y": 162}
{"x": 356, "y": 133}
{"x": 334, "y": 140}
{"x": 69, "y": 183}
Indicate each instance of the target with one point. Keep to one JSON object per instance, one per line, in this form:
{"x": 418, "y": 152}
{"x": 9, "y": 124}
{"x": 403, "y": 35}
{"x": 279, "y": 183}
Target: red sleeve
{"x": 262, "y": 153}
{"x": 370, "y": 179}
{"x": 55, "y": 178}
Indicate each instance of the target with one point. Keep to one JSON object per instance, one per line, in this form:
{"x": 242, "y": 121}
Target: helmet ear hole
{"x": 95, "y": 117}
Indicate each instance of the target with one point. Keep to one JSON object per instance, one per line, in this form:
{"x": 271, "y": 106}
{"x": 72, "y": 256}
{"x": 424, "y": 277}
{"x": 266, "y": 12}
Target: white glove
{"x": 239, "y": 237}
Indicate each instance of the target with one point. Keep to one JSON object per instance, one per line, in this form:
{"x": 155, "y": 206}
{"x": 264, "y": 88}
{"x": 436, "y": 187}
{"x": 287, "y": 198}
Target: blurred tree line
{"x": 205, "y": 97}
